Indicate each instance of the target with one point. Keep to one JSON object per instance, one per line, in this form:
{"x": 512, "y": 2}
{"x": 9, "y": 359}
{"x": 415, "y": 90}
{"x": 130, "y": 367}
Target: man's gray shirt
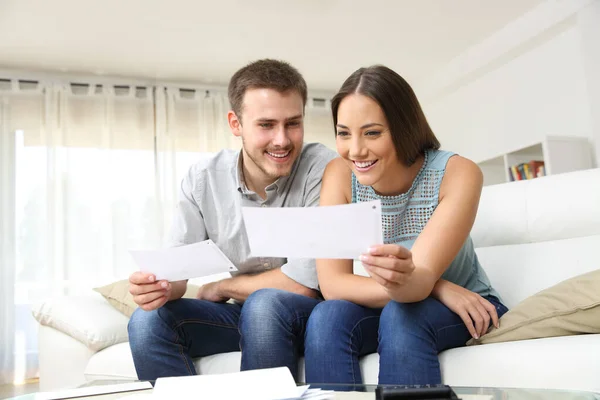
{"x": 213, "y": 193}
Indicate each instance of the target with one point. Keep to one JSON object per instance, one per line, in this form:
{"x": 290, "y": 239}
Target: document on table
{"x": 343, "y": 231}
{"x": 93, "y": 390}
{"x": 260, "y": 384}
{"x": 183, "y": 262}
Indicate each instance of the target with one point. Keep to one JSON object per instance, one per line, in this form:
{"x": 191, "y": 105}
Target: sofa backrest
{"x": 532, "y": 234}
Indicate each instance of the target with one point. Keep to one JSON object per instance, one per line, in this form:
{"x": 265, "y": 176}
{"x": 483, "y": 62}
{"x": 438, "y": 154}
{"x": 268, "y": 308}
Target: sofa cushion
{"x": 88, "y": 319}
{"x": 519, "y": 271}
{"x": 566, "y": 362}
{"x": 117, "y": 294}
{"x": 568, "y": 308}
{"x": 550, "y": 208}
{"x": 544, "y": 363}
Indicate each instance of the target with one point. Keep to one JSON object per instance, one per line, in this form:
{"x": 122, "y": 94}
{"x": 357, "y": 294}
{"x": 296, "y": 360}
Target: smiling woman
{"x": 425, "y": 278}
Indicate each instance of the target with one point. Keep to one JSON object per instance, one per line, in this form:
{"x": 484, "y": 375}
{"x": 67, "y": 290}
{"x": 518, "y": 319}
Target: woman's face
{"x": 364, "y": 140}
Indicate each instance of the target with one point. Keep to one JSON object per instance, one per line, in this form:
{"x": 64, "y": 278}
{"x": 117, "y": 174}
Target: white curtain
{"x": 193, "y": 127}
{"x": 6, "y": 246}
{"x": 21, "y": 108}
{"x": 78, "y": 190}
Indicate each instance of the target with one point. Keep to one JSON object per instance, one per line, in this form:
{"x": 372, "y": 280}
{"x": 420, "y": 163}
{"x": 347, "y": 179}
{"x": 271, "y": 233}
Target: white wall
{"x": 589, "y": 25}
{"x": 538, "y": 87}
{"x": 318, "y": 127}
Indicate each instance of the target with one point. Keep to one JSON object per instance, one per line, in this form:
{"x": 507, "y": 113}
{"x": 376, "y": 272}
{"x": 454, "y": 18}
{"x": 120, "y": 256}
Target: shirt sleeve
{"x": 188, "y": 223}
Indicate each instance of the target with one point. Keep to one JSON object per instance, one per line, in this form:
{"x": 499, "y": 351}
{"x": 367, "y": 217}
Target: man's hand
{"x": 390, "y": 265}
{"x": 148, "y": 293}
{"x": 211, "y": 292}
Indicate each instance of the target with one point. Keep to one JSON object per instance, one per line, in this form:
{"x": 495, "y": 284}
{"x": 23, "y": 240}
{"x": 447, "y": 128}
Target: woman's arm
{"x": 336, "y": 278}
{"x": 439, "y": 242}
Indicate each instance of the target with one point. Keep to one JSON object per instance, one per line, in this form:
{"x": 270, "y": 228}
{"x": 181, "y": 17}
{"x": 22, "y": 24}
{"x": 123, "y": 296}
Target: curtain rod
{"x": 64, "y": 77}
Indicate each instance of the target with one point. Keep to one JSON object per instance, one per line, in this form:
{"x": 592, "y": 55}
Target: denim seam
{"x": 199, "y": 321}
{"x": 449, "y": 326}
{"x": 181, "y": 353}
{"x": 351, "y": 339}
{"x": 182, "y": 322}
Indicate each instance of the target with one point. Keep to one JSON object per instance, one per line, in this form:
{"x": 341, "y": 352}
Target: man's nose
{"x": 281, "y": 138}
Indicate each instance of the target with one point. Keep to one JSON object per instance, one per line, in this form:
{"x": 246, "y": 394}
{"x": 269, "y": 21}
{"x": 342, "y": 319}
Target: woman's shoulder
{"x": 338, "y": 178}
{"x": 337, "y": 168}
{"x": 461, "y": 174}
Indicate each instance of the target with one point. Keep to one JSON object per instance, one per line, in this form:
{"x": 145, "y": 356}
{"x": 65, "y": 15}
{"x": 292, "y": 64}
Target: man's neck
{"x": 255, "y": 179}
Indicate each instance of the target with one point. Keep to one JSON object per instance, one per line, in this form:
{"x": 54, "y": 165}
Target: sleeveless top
{"x": 404, "y": 216}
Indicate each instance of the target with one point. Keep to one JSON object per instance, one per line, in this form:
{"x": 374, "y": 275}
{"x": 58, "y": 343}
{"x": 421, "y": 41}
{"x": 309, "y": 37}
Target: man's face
{"x": 272, "y": 132}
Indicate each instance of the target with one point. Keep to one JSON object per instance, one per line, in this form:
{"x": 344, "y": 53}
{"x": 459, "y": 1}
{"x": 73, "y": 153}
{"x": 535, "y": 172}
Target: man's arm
{"x": 241, "y": 286}
{"x": 187, "y": 226}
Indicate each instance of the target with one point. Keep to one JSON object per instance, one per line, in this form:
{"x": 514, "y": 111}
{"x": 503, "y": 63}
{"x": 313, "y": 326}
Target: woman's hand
{"x": 475, "y": 311}
{"x": 389, "y": 265}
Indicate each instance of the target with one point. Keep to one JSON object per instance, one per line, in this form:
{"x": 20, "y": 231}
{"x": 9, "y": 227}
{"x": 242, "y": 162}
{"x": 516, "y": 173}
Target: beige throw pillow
{"x": 117, "y": 294}
{"x": 568, "y": 308}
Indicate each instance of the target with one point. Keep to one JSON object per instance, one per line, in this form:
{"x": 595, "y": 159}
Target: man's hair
{"x": 264, "y": 74}
{"x": 411, "y": 133}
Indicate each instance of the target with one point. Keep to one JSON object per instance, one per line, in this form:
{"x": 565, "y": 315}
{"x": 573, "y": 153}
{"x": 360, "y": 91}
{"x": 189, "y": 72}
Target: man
{"x": 273, "y": 296}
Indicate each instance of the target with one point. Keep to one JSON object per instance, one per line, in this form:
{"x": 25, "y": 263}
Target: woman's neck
{"x": 398, "y": 180}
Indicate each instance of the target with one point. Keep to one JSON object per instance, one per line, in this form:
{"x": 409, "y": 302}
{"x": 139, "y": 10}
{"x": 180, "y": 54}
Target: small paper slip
{"x": 183, "y": 262}
{"x": 345, "y": 231}
{"x": 260, "y": 384}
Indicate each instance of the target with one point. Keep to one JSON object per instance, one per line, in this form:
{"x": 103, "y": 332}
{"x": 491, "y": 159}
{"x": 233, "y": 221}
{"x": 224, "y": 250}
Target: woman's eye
{"x": 342, "y": 133}
{"x": 372, "y": 133}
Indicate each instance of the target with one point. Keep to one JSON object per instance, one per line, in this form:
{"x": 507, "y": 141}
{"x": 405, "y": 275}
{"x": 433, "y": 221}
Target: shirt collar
{"x": 238, "y": 173}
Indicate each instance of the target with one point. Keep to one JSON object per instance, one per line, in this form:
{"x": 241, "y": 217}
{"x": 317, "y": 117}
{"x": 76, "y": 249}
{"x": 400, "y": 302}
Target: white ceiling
{"x": 199, "y": 41}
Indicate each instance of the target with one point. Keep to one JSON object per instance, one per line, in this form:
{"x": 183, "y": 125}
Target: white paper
{"x": 344, "y": 231}
{"x": 93, "y": 390}
{"x": 260, "y": 384}
{"x": 183, "y": 262}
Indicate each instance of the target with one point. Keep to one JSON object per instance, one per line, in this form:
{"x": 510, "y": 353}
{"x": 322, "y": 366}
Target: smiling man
{"x": 273, "y": 296}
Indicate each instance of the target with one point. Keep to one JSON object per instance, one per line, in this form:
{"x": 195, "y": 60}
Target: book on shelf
{"x": 528, "y": 170}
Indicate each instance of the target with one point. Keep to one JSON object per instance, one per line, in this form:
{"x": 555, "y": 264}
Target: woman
{"x": 426, "y": 291}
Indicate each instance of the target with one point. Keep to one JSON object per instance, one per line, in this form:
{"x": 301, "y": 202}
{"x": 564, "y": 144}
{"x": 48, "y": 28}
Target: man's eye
{"x": 266, "y": 126}
{"x": 294, "y": 123}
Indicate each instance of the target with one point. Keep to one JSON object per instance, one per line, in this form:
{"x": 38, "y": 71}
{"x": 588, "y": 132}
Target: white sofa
{"x": 529, "y": 235}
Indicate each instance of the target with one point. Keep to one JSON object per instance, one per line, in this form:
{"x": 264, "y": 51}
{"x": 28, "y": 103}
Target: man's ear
{"x": 235, "y": 124}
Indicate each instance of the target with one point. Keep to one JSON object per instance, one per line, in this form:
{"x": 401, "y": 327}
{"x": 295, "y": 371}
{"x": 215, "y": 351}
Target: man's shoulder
{"x": 212, "y": 164}
{"x": 317, "y": 156}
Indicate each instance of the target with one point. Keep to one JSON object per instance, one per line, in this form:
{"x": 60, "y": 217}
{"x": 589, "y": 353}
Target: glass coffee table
{"x": 341, "y": 392}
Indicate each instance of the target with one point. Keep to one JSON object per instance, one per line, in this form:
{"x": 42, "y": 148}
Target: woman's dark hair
{"x": 409, "y": 128}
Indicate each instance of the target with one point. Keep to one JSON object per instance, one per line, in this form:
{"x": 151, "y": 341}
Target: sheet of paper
{"x": 93, "y": 390}
{"x": 260, "y": 384}
{"x": 345, "y": 231}
{"x": 183, "y": 262}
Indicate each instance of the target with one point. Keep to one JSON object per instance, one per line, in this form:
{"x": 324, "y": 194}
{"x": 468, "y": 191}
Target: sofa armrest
{"x": 90, "y": 319}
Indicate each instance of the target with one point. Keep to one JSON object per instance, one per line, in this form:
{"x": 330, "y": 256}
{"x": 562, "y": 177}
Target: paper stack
{"x": 261, "y": 384}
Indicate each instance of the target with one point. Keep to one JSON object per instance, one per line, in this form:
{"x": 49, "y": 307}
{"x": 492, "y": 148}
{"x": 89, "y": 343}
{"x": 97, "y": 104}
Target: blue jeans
{"x": 269, "y": 328}
{"x": 407, "y": 336}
